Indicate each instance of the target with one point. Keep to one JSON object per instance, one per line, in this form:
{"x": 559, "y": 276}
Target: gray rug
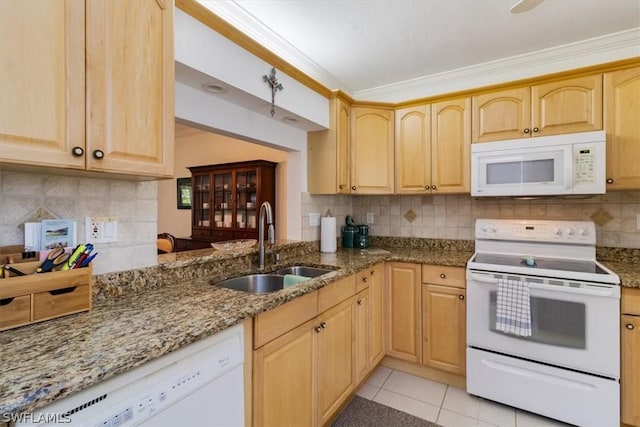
{"x": 362, "y": 412}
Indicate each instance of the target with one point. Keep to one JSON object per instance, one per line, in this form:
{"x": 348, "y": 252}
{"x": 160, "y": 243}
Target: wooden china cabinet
{"x": 227, "y": 198}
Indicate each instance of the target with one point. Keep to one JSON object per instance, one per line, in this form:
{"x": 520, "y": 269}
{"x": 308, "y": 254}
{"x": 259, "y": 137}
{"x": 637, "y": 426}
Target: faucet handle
{"x": 271, "y": 233}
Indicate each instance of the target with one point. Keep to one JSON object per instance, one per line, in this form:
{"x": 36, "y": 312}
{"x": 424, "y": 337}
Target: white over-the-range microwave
{"x": 543, "y": 166}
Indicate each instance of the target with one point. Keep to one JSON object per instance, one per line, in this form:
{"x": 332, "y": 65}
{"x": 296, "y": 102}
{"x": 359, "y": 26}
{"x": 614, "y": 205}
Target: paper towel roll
{"x": 328, "y": 234}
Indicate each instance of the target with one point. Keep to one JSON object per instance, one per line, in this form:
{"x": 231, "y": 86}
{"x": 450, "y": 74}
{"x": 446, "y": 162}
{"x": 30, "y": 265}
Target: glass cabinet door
{"x": 223, "y": 200}
{"x": 201, "y": 201}
{"x": 246, "y": 199}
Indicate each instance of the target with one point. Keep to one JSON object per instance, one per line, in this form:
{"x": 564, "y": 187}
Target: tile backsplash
{"x": 453, "y": 216}
{"x": 24, "y": 195}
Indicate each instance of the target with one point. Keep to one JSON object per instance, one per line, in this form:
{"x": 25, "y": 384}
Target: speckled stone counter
{"x": 141, "y": 315}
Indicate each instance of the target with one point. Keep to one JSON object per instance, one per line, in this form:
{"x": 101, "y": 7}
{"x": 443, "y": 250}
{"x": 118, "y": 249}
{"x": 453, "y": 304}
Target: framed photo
{"x": 184, "y": 193}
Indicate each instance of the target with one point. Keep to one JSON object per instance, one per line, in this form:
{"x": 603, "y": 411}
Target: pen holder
{"x": 35, "y": 298}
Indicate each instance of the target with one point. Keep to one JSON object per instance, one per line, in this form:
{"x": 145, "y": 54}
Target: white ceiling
{"x": 359, "y": 45}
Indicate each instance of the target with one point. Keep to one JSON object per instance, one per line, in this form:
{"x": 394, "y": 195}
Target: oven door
{"x": 522, "y": 172}
{"x": 573, "y": 327}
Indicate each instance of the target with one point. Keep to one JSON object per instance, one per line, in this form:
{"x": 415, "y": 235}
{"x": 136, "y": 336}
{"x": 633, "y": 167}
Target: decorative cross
{"x": 272, "y": 81}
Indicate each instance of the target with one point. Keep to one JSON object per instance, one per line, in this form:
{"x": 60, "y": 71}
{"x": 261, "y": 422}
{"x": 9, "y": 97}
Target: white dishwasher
{"x": 199, "y": 385}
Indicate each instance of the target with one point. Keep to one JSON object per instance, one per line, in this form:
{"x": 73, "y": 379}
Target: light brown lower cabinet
{"x": 368, "y": 321}
{"x": 630, "y": 348}
{"x": 403, "y": 312}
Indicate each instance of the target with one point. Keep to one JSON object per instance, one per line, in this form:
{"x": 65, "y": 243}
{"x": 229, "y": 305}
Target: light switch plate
{"x": 101, "y": 229}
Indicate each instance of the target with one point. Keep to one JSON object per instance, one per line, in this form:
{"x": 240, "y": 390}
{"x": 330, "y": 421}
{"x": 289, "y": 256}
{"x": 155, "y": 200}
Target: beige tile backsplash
{"x": 453, "y": 216}
{"x": 134, "y": 203}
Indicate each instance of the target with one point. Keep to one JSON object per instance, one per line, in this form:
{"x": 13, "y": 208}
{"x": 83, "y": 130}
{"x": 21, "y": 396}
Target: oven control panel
{"x": 582, "y": 232}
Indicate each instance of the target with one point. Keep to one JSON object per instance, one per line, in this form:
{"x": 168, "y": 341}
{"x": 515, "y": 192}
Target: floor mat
{"x": 362, "y": 412}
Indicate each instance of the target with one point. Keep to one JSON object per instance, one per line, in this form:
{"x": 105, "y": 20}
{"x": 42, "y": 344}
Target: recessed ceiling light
{"x": 214, "y": 88}
{"x": 290, "y": 119}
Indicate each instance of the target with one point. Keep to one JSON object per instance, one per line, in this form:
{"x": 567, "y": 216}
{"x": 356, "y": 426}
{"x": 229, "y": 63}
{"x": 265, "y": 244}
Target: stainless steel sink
{"x": 301, "y": 270}
{"x": 254, "y": 283}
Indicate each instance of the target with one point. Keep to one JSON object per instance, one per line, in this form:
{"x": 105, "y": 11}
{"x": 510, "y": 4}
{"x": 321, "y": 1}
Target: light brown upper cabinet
{"x": 565, "y": 106}
{"x": 622, "y": 123}
{"x": 371, "y": 151}
{"x": 114, "y": 114}
{"x": 328, "y": 153}
{"x": 432, "y": 148}
{"x": 451, "y": 146}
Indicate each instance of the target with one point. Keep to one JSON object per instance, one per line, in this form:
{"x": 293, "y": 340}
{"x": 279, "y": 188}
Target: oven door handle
{"x": 605, "y": 292}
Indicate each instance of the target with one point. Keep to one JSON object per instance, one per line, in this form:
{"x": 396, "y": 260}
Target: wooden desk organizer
{"x": 37, "y": 297}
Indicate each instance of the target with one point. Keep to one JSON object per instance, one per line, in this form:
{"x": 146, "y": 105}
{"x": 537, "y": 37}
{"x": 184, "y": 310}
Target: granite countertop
{"x": 50, "y": 360}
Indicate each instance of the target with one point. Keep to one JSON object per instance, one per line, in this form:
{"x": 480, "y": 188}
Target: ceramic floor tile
{"x": 406, "y": 404}
{"x": 418, "y": 388}
{"x": 368, "y": 391}
{"x": 496, "y": 413}
{"x": 379, "y": 376}
{"x": 453, "y": 419}
{"x": 527, "y": 419}
{"x": 460, "y": 401}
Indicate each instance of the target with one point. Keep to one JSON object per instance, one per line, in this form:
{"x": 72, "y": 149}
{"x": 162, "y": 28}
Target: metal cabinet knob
{"x": 359, "y": 302}
{"x": 372, "y": 272}
{"x": 323, "y": 325}
{"x": 433, "y": 187}
{"x": 77, "y": 151}
{"x": 98, "y": 154}
{"x": 443, "y": 276}
{"x": 341, "y": 186}
{"x": 609, "y": 181}
{"x": 629, "y": 326}
{"x": 318, "y": 329}
{"x": 526, "y": 130}
{"x": 426, "y": 187}
{"x": 365, "y": 280}
{"x": 461, "y": 297}
{"x": 536, "y": 129}
{"x": 353, "y": 187}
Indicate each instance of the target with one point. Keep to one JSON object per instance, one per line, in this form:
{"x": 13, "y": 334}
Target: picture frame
{"x": 184, "y": 193}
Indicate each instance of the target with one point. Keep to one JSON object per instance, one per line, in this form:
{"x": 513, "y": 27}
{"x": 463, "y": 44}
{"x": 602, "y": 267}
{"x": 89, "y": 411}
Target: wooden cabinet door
{"x": 451, "y": 146}
{"x": 501, "y": 115}
{"x": 630, "y": 379}
{"x": 130, "y": 81}
{"x": 283, "y": 379}
{"x": 335, "y": 376}
{"x": 402, "y": 311}
{"x": 361, "y": 330}
{"x": 371, "y": 151}
{"x": 376, "y": 313}
{"x": 42, "y": 80}
{"x": 622, "y": 123}
{"x": 444, "y": 328}
{"x": 328, "y": 153}
{"x": 567, "y": 106}
{"x": 413, "y": 150}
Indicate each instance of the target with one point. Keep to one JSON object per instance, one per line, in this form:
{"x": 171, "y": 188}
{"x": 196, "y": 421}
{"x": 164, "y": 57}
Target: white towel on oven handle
{"x": 513, "y": 309}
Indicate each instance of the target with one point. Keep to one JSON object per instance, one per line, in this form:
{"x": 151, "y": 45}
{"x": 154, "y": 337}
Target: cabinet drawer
{"x": 443, "y": 275}
{"x": 220, "y": 235}
{"x": 631, "y": 301}
{"x": 245, "y": 235}
{"x": 336, "y": 292}
{"x": 273, "y": 323}
{"x": 363, "y": 278}
{"x": 200, "y": 233}
{"x": 15, "y": 311}
{"x": 61, "y": 301}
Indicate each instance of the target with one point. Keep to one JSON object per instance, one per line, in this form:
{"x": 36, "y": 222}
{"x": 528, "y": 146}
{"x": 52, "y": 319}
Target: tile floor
{"x": 444, "y": 404}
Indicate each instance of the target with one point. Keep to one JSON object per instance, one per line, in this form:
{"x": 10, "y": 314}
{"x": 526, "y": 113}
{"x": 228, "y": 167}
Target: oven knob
{"x": 582, "y": 232}
{"x": 569, "y": 231}
{"x": 557, "y": 232}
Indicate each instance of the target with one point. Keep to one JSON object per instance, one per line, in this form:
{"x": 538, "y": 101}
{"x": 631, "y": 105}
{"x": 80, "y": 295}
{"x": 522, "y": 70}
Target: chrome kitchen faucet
{"x": 265, "y": 209}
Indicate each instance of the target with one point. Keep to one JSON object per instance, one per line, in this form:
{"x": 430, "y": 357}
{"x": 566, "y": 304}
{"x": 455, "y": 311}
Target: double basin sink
{"x": 279, "y": 279}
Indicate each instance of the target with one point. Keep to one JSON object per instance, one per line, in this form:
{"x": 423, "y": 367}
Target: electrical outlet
{"x": 101, "y": 229}
{"x": 314, "y": 219}
{"x": 638, "y": 221}
{"x": 369, "y": 217}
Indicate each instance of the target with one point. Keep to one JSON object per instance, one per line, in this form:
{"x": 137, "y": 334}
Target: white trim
{"x": 599, "y": 50}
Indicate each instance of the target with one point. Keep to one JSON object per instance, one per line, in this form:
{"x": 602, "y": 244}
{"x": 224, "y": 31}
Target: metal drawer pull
{"x": 353, "y": 187}
{"x": 526, "y": 130}
{"x": 460, "y": 297}
{"x": 372, "y": 272}
{"x": 364, "y": 279}
{"x": 443, "y": 276}
{"x": 77, "y": 151}
{"x": 359, "y": 302}
{"x": 609, "y": 181}
{"x": 323, "y": 325}
{"x": 536, "y": 129}
{"x": 629, "y": 326}
{"x": 98, "y": 154}
{"x": 318, "y": 329}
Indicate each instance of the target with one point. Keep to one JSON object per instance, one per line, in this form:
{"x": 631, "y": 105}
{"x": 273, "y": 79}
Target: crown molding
{"x": 599, "y": 50}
